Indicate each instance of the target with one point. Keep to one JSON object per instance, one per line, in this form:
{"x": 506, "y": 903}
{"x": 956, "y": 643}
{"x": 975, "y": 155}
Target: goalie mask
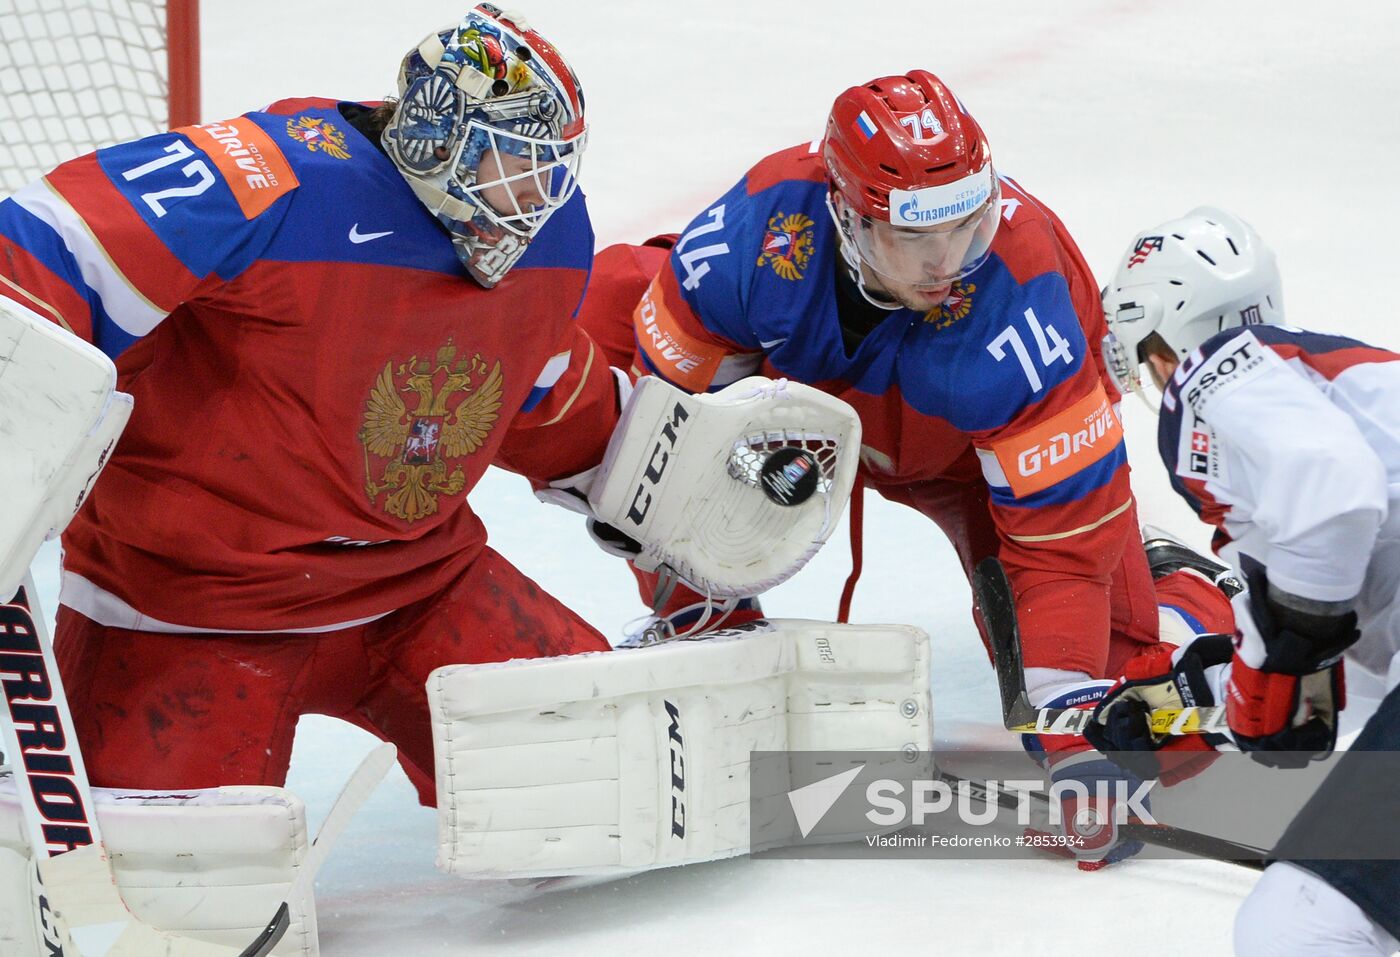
{"x": 489, "y": 132}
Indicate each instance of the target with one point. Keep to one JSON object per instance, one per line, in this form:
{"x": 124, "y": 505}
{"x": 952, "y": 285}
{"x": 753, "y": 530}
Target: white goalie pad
{"x": 211, "y": 864}
{"x": 60, "y": 416}
{"x": 621, "y": 761}
{"x": 735, "y": 491}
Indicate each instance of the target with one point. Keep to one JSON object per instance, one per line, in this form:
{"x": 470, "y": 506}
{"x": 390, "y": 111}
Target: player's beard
{"x": 919, "y": 298}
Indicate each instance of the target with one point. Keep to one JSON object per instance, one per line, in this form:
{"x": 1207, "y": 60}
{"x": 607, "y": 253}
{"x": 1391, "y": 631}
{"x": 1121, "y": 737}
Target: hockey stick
{"x": 997, "y": 605}
{"x": 36, "y": 729}
{"x": 352, "y": 797}
{"x": 994, "y": 598}
{"x": 1159, "y": 835}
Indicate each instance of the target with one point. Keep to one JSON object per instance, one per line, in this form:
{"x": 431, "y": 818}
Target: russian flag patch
{"x": 865, "y": 124}
{"x": 553, "y": 371}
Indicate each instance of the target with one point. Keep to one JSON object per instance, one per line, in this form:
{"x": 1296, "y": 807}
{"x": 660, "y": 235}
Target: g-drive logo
{"x": 897, "y": 803}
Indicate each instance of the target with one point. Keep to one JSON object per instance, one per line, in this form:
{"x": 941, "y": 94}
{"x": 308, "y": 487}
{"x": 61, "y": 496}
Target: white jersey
{"x": 1289, "y": 443}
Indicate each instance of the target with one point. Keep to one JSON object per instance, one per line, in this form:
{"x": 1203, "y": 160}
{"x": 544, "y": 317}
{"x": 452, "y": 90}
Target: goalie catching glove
{"x": 733, "y": 491}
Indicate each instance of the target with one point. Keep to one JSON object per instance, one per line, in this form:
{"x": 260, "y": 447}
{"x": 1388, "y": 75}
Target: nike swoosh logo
{"x": 358, "y": 237}
{"x": 772, "y": 343}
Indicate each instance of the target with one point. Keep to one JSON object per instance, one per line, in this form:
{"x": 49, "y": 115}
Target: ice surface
{"x": 1116, "y": 114}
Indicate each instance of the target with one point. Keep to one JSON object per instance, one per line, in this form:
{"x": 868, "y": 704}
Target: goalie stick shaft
{"x": 352, "y": 797}
{"x": 998, "y": 607}
{"x": 36, "y": 730}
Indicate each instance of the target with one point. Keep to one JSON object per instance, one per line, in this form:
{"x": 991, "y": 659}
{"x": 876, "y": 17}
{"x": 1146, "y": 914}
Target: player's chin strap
{"x": 849, "y": 256}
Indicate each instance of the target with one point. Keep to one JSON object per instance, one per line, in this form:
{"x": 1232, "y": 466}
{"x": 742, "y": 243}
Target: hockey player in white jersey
{"x": 1288, "y": 442}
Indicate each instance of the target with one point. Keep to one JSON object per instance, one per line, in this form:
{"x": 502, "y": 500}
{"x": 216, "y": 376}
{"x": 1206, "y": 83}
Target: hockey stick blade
{"x": 995, "y": 602}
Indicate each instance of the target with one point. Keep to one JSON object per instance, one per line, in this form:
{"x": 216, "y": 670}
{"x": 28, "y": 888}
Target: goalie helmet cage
{"x": 76, "y": 75}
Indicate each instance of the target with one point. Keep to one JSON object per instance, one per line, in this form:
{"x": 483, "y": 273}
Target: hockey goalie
{"x": 319, "y": 324}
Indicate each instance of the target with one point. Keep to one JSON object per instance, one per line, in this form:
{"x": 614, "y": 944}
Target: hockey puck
{"x": 789, "y": 476}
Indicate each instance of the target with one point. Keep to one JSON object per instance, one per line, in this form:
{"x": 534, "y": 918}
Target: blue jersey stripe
{"x": 42, "y": 242}
{"x": 1079, "y": 485}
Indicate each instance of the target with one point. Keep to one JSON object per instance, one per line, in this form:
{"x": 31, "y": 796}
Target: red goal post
{"x": 80, "y": 74}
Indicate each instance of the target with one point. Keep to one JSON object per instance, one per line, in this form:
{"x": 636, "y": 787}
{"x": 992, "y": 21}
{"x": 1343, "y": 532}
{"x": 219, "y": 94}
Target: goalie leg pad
{"x": 615, "y": 762}
{"x": 210, "y": 864}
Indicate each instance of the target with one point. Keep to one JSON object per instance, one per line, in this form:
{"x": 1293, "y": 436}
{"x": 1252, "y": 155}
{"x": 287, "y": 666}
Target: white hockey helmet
{"x": 1187, "y": 280}
{"x": 488, "y": 131}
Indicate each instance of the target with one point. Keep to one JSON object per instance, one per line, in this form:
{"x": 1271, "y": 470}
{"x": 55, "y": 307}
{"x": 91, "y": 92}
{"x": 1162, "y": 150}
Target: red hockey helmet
{"x": 912, "y": 186}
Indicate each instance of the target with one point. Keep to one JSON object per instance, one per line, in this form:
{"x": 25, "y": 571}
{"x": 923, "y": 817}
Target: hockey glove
{"x": 1164, "y": 677}
{"x": 1286, "y": 683}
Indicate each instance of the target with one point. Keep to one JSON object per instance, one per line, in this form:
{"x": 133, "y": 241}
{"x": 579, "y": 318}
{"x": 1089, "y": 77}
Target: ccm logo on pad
{"x": 1055, "y": 449}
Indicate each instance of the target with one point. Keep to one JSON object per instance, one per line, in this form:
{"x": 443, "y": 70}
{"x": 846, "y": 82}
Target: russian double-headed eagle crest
{"x": 315, "y": 133}
{"x": 787, "y": 245}
{"x": 955, "y": 307}
{"x": 458, "y": 401}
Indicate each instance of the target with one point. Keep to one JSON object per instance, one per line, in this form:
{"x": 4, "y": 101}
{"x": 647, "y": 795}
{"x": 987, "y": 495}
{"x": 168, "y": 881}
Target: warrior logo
{"x": 787, "y": 245}
{"x": 317, "y": 135}
{"x": 420, "y": 443}
{"x": 1145, "y": 247}
{"x": 45, "y": 751}
{"x": 1251, "y": 315}
{"x": 955, "y": 307}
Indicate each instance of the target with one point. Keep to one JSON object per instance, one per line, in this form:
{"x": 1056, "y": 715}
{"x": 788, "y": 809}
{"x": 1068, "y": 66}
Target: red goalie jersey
{"x": 318, "y": 385}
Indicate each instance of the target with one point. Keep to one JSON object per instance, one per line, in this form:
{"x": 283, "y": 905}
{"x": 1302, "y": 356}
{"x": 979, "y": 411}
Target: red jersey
{"x": 318, "y": 383}
{"x": 1003, "y": 383}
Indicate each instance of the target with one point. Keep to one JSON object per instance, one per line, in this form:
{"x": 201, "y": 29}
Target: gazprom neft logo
{"x": 939, "y": 204}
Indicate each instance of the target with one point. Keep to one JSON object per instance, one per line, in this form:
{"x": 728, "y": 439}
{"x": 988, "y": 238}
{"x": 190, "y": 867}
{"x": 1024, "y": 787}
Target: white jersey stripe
{"x": 130, "y": 310}
{"x": 99, "y": 605}
{"x": 553, "y": 370}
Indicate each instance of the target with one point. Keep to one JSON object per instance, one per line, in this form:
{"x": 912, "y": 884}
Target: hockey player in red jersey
{"x": 333, "y": 317}
{"x": 1287, "y": 441}
{"x": 891, "y": 264}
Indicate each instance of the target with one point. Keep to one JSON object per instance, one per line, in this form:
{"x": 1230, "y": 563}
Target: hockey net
{"x": 81, "y": 74}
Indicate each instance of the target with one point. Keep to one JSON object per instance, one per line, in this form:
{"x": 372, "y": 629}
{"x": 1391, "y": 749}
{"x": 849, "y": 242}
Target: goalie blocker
{"x": 60, "y": 416}
{"x": 623, "y": 761}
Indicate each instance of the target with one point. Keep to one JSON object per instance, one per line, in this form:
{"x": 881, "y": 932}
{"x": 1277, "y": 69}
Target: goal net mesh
{"x": 77, "y": 76}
